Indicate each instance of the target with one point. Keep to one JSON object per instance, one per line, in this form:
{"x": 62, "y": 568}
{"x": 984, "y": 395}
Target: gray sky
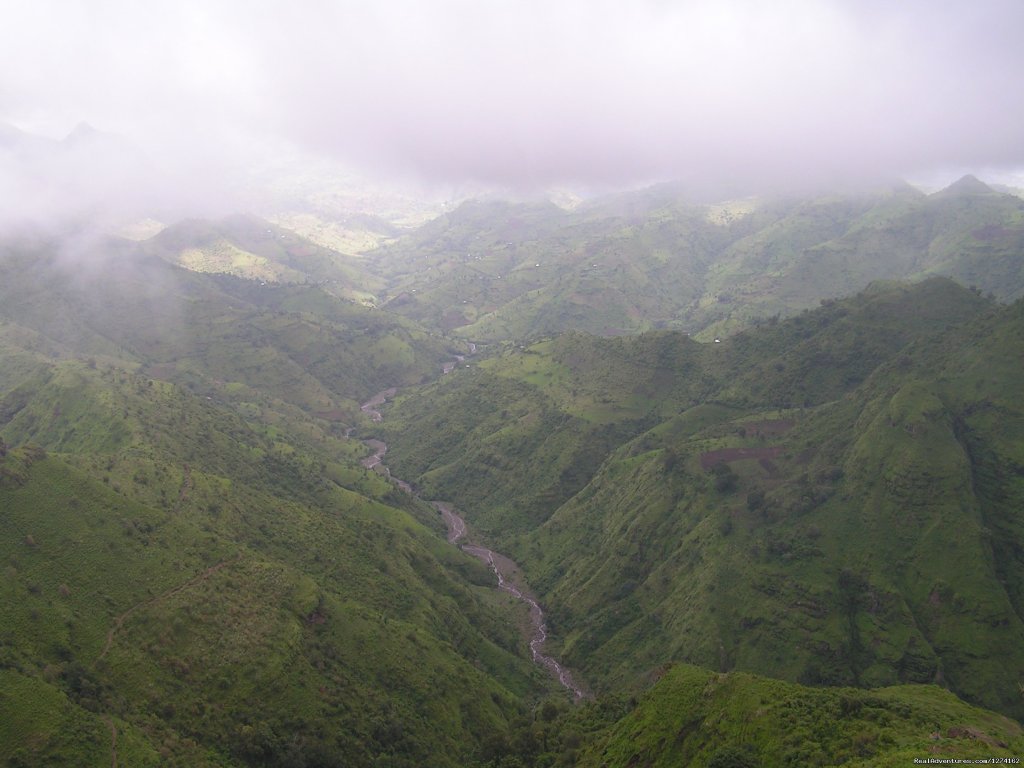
{"x": 532, "y": 93}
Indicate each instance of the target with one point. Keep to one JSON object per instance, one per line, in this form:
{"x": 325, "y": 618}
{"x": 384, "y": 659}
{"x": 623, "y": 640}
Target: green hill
{"x": 699, "y": 718}
{"x": 516, "y": 435}
{"x": 656, "y": 259}
{"x": 499, "y": 271}
{"x": 793, "y": 501}
{"x": 869, "y": 540}
{"x": 252, "y": 248}
{"x": 231, "y": 337}
{"x": 233, "y": 626}
{"x": 198, "y": 571}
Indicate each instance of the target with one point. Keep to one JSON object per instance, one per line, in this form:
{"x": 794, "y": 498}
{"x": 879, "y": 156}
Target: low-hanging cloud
{"x": 530, "y": 93}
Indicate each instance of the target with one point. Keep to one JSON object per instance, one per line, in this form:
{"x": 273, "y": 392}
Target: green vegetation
{"x": 252, "y": 248}
{"x": 654, "y": 259}
{"x": 700, "y": 718}
{"x": 198, "y": 570}
{"x": 831, "y": 502}
{"x": 205, "y": 627}
{"x": 518, "y": 434}
{"x": 216, "y": 335}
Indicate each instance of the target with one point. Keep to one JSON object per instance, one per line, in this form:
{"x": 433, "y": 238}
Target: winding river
{"x": 510, "y": 578}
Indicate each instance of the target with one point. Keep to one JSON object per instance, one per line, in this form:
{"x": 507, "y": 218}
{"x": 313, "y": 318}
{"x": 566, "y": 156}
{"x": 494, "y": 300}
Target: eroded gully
{"x": 509, "y": 576}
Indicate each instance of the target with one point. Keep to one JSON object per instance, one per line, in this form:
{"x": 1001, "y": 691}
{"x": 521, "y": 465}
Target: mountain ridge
{"x": 766, "y": 472}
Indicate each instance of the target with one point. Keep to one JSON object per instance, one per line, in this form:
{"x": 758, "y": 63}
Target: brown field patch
{"x": 993, "y": 232}
{"x": 768, "y": 427}
{"x": 334, "y": 414}
{"x": 162, "y": 371}
{"x": 709, "y": 459}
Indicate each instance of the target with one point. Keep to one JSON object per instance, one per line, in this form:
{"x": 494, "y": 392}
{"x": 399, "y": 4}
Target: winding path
{"x": 113, "y": 740}
{"x": 509, "y": 576}
{"x": 183, "y": 491}
{"x": 120, "y": 620}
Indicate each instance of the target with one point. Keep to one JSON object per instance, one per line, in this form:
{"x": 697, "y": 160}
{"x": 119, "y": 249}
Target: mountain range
{"x": 494, "y": 271}
{"x": 761, "y": 461}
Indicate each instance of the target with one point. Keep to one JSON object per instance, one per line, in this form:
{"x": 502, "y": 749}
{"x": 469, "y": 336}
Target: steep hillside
{"x": 797, "y": 510}
{"x": 516, "y": 435}
{"x": 198, "y": 569}
{"x": 225, "y": 625}
{"x": 230, "y": 337}
{"x": 699, "y": 718}
{"x": 871, "y": 540}
{"x": 252, "y": 248}
{"x": 655, "y": 259}
{"x": 501, "y": 271}
{"x": 968, "y": 232}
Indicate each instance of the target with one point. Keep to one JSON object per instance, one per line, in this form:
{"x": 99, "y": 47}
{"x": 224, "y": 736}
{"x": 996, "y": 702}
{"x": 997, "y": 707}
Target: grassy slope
{"x": 878, "y": 544}
{"x": 265, "y": 363}
{"x": 338, "y": 590}
{"x": 699, "y": 718}
{"x": 269, "y": 600}
{"x": 251, "y": 248}
{"x": 240, "y": 642}
{"x": 503, "y": 271}
{"x": 828, "y": 564}
{"x": 292, "y": 344}
{"x": 517, "y": 435}
{"x": 651, "y": 259}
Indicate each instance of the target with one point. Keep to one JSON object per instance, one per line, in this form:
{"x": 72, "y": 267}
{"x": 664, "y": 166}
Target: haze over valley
{"x": 504, "y": 385}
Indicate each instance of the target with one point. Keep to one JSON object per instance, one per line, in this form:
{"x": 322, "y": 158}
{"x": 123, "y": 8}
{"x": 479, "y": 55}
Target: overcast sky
{"x": 534, "y": 93}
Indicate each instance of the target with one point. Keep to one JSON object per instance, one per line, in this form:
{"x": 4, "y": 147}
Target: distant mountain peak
{"x": 6, "y": 129}
{"x": 966, "y": 185}
{"x": 12, "y": 137}
{"x": 905, "y": 189}
{"x": 81, "y": 132}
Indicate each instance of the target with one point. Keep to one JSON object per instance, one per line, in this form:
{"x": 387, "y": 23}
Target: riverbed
{"x": 509, "y": 576}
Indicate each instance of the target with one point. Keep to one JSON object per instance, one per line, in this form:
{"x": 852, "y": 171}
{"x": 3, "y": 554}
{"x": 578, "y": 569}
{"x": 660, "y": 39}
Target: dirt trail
{"x": 186, "y": 488}
{"x": 120, "y": 620}
{"x": 113, "y": 740}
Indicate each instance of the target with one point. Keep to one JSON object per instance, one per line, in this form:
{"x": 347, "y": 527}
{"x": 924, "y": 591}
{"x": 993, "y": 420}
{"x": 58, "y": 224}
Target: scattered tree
{"x": 725, "y": 478}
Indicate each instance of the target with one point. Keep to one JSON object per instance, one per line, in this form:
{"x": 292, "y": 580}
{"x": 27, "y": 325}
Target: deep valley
{"x": 681, "y": 484}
